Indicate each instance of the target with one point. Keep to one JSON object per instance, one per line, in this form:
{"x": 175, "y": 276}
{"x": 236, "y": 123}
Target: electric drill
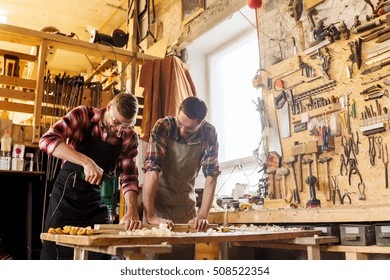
{"x": 108, "y": 188}
{"x": 107, "y": 193}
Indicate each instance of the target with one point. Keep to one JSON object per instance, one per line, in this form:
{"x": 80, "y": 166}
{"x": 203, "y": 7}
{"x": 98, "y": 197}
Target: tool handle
{"x": 296, "y": 196}
{"x": 300, "y": 183}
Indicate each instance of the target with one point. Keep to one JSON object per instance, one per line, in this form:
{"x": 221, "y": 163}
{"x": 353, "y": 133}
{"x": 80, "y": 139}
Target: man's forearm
{"x": 131, "y": 201}
{"x": 63, "y": 151}
{"x": 208, "y": 196}
{"x": 149, "y": 191}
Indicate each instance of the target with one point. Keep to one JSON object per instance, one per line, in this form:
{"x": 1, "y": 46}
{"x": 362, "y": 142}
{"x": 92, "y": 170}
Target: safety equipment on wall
{"x": 117, "y": 39}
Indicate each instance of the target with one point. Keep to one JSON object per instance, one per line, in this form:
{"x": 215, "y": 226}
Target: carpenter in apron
{"x": 175, "y": 195}
{"x": 77, "y": 202}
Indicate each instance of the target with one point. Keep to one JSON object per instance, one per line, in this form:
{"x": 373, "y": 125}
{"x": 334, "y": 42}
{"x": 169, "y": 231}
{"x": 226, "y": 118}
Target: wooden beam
{"x": 17, "y": 94}
{"x": 30, "y": 37}
{"x": 17, "y": 82}
{"x": 22, "y": 56}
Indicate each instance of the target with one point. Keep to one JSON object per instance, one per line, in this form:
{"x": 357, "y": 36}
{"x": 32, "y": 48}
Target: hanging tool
{"x": 346, "y": 195}
{"x": 336, "y": 191}
{"x": 371, "y": 149}
{"x": 371, "y": 24}
{"x": 378, "y": 142}
{"x": 385, "y": 160}
{"x": 343, "y": 165}
{"x": 307, "y": 162}
{"x": 271, "y": 193}
{"x": 312, "y": 148}
{"x": 313, "y": 202}
{"x": 376, "y": 34}
{"x": 283, "y": 172}
{"x": 298, "y": 149}
{"x": 376, "y": 68}
{"x": 290, "y": 162}
{"x": 362, "y": 188}
{"x": 353, "y": 170}
{"x": 325, "y": 162}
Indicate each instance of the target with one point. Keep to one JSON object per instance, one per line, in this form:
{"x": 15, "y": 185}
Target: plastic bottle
{"x": 6, "y": 140}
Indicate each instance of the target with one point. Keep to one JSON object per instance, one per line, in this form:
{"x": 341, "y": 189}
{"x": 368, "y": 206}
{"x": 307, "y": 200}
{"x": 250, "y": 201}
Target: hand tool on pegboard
{"x": 371, "y": 24}
{"x": 385, "y": 160}
{"x": 307, "y": 162}
{"x": 283, "y": 172}
{"x": 336, "y": 191}
{"x": 313, "y": 149}
{"x": 325, "y": 162}
{"x": 298, "y": 150}
{"x": 313, "y": 202}
{"x": 290, "y": 162}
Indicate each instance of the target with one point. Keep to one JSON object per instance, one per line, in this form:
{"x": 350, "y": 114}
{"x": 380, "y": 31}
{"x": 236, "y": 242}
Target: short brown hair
{"x": 126, "y": 104}
{"x": 194, "y": 108}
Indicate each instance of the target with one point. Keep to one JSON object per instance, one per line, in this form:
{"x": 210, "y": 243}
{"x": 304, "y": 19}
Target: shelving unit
{"x": 27, "y": 94}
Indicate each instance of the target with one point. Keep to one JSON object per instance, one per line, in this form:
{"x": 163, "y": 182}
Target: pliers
{"x": 343, "y": 165}
{"x": 346, "y": 195}
{"x": 336, "y": 190}
{"x": 353, "y": 170}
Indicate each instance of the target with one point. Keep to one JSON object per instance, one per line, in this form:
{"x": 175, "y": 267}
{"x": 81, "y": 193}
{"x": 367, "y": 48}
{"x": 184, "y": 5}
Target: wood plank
{"x": 335, "y": 214}
{"x": 176, "y": 228}
{"x": 184, "y": 238}
{"x": 16, "y": 107}
{"x": 22, "y": 56}
{"x": 17, "y": 94}
{"x": 30, "y": 37}
{"x": 17, "y": 82}
{"x": 374, "y": 249}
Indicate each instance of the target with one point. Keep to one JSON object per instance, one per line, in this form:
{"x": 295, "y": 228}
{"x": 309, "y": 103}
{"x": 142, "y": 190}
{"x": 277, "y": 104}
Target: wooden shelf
{"x": 42, "y": 40}
{"x": 339, "y": 214}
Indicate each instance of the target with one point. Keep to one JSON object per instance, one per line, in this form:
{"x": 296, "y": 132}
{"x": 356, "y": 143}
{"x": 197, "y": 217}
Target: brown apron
{"x": 175, "y": 197}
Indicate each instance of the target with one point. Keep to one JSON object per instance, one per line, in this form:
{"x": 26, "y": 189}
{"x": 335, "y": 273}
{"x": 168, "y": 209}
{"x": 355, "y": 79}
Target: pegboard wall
{"x": 324, "y": 105}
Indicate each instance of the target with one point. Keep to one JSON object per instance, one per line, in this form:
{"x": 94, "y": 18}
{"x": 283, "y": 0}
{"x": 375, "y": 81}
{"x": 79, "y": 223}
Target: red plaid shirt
{"x": 72, "y": 128}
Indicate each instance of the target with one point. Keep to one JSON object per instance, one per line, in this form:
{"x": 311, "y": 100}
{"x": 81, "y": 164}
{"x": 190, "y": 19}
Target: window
{"x": 231, "y": 96}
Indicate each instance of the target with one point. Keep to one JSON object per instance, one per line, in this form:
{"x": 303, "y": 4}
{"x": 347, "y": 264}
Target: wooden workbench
{"x": 138, "y": 246}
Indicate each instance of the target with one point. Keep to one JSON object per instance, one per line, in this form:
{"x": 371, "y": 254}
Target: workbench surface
{"x": 187, "y": 238}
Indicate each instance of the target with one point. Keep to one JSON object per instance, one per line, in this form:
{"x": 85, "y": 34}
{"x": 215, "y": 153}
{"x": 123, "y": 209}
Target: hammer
{"x": 299, "y": 150}
{"x": 308, "y": 162}
{"x": 325, "y": 161}
{"x": 290, "y": 162}
{"x": 283, "y": 172}
{"x": 271, "y": 171}
{"x": 312, "y": 148}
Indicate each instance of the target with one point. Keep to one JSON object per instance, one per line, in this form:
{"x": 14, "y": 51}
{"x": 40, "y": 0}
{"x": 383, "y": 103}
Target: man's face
{"x": 187, "y": 127}
{"x": 115, "y": 122}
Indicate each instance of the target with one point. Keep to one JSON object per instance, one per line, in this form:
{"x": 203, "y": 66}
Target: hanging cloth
{"x": 166, "y": 84}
